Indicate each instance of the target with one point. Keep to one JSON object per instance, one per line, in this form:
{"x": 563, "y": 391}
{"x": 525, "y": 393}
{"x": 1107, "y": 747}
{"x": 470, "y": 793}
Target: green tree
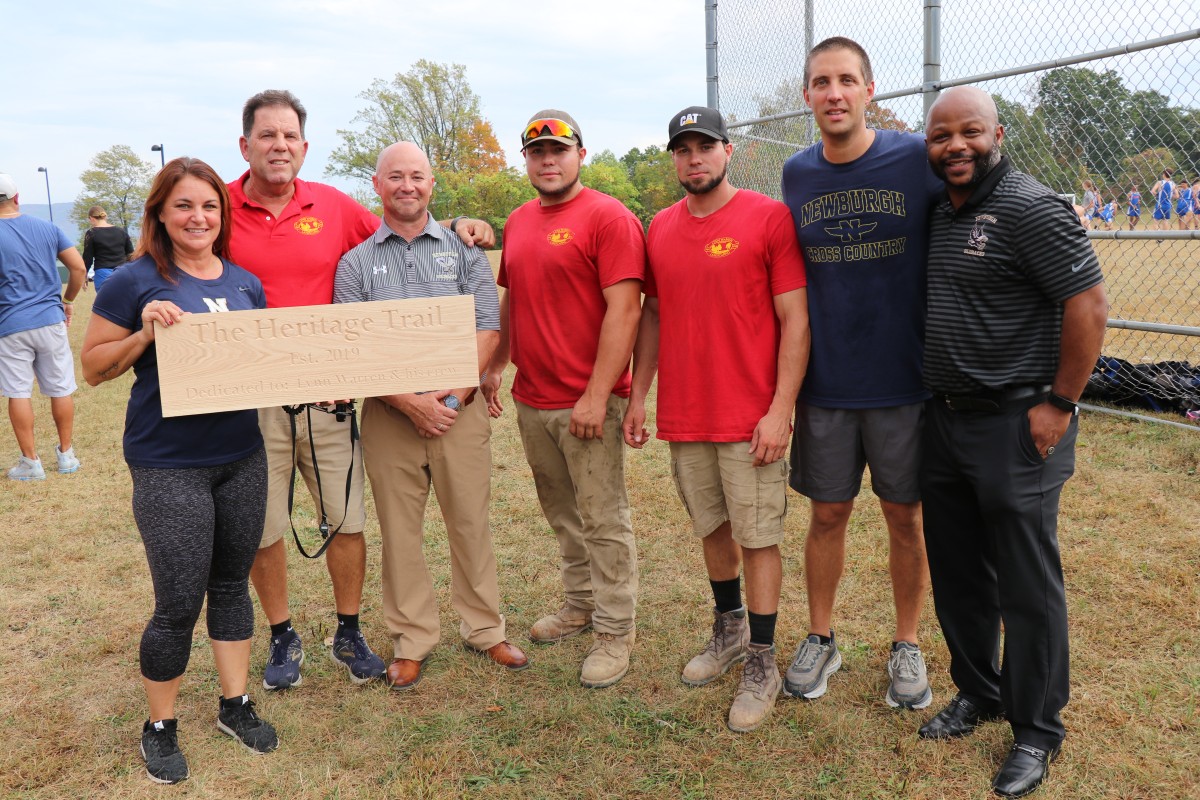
{"x": 653, "y": 174}
{"x": 489, "y": 196}
{"x": 1086, "y": 114}
{"x": 432, "y": 105}
{"x": 118, "y": 179}
{"x": 1144, "y": 169}
{"x": 605, "y": 173}
{"x": 1028, "y": 145}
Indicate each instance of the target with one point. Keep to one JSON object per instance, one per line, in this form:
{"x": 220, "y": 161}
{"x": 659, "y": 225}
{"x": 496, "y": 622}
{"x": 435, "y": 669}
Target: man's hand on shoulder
{"x": 476, "y": 232}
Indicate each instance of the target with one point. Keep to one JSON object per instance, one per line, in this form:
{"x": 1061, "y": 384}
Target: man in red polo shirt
{"x": 291, "y": 233}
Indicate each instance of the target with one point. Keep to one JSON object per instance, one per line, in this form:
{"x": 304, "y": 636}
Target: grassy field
{"x": 75, "y": 594}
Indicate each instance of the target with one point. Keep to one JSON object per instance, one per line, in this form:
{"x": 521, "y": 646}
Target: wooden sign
{"x": 287, "y": 356}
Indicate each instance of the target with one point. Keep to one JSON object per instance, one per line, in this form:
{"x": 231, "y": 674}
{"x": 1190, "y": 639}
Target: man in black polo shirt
{"x": 1017, "y": 311}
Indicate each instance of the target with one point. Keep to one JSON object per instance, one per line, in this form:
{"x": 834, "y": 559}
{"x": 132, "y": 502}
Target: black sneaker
{"x": 160, "y": 750}
{"x": 237, "y": 718}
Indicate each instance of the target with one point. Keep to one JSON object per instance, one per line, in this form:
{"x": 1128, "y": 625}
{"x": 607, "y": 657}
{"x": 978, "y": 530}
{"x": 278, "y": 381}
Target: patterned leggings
{"x": 201, "y": 527}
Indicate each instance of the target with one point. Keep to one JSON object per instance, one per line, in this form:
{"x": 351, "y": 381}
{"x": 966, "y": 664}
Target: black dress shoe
{"x": 958, "y": 718}
{"x": 1023, "y": 771}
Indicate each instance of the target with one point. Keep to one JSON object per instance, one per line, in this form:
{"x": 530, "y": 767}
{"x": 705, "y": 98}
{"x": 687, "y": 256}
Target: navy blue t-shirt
{"x": 864, "y": 230}
{"x": 198, "y": 440}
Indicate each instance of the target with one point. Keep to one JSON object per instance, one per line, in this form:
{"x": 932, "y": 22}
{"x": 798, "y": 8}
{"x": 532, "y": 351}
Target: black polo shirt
{"x": 1000, "y": 268}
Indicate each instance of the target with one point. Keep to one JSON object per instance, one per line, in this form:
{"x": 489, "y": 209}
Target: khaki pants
{"x": 401, "y": 465}
{"x": 581, "y": 487}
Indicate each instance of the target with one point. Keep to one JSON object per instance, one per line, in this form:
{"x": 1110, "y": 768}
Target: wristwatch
{"x": 451, "y": 401}
{"x": 1063, "y": 404}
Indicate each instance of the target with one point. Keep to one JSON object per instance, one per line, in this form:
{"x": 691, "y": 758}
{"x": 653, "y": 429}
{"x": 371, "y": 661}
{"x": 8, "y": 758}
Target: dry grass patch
{"x": 75, "y": 593}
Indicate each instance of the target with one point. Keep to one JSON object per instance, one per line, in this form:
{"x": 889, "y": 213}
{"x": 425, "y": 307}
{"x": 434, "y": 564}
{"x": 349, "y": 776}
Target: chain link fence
{"x": 1098, "y": 101}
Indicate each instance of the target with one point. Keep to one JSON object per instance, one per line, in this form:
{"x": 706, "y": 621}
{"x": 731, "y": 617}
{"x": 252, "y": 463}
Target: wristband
{"x": 67, "y": 302}
{"x": 454, "y": 224}
{"x": 1063, "y": 404}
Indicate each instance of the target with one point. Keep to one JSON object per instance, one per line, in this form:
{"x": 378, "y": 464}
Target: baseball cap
{"x": 552, "y": 124}
{"x": 698, "y": 119}
{"x": 8, "y": 189}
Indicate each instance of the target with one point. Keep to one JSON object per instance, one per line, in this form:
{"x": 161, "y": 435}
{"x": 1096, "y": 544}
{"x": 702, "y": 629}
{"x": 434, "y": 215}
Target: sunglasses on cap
{"x": 548, "y": 127}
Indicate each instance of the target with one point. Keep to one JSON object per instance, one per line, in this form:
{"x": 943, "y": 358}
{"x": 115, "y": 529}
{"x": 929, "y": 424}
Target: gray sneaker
{"x": 67, "y": 462}
{"x": 756, "y": 691}
{"x": 726, "y": 647}
{"x": 808, "y": 676}
{"x": 27, "y": 469}
{"x": 909, "y": 686}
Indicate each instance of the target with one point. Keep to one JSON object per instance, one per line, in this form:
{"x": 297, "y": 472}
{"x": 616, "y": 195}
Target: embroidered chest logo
{"x": 447, "y": 266}
{"x": 719, "y": 248}
{"x": 977, "y": 239}
{"x": 379, "y": 269}
{"x": 216, "y": 303}
{"x": 309, "y": 226}
{"x": 560, "y": 236}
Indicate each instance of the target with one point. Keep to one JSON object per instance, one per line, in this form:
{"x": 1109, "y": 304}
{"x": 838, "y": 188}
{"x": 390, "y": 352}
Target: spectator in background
{"x": 1163, "y": 192}
{"x": 1196, "y": 203}
{"x": 1183, "y": 205}
{"x": 105, "y": 246}
{"x": 1091, "y": 203}
{"x": 199, "y": 481}
{"x": 35, "y": 311}
{"x": 1134, "y": 212}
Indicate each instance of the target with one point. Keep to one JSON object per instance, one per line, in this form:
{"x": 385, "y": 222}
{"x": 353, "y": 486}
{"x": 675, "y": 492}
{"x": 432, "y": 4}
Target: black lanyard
{"x": 341, "y": 411}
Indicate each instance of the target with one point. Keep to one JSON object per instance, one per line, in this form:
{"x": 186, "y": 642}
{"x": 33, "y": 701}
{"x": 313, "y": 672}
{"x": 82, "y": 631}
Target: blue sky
{"x": 143, "y": 72}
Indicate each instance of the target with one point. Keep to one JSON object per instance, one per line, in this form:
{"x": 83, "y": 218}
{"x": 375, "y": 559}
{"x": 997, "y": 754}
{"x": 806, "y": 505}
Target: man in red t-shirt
{"x": 572, "y": 267}
{"x": 725, "y": 324}
{"x": 291, "y": 233}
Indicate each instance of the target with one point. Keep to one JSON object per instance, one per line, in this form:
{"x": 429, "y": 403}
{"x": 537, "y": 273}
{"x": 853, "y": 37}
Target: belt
{"x": 990, "y": 402}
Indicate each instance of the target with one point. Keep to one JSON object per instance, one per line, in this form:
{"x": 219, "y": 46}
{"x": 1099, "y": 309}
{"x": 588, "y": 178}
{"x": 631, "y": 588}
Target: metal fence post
{"x": 933, "y": 51}
{"x": 710, "y": 51}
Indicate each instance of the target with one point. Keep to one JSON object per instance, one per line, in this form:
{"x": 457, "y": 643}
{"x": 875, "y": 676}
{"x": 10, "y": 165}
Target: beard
{"x": 708, "y": 185}
{"x": 557, "y": 192}
{"x": 982, "y": 166}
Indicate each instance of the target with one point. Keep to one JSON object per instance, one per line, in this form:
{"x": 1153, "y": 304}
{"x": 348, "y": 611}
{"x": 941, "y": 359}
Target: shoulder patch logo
{"x": 560, "y": 236}
{"x": 309, "y": 226}
{"x": 719, "y": 248}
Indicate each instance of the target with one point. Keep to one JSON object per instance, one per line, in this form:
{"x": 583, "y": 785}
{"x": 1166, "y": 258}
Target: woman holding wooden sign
{"x": 200, "y": 481}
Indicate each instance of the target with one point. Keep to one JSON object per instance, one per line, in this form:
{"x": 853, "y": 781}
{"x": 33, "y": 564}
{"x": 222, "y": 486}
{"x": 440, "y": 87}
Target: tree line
{"x": 1079, "y": 123}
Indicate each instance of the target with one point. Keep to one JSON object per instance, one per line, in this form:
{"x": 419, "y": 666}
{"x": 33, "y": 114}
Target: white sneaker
{"x": 27, "y": 469}
{"x": 67, "y": 462}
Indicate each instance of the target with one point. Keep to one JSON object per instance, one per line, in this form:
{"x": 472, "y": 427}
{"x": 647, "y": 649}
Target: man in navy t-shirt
{"x": 860, "y": 199}
{"x": 34, "y": 314}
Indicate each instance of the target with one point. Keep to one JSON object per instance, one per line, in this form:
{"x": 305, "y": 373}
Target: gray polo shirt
{"x": 435, "y": 263}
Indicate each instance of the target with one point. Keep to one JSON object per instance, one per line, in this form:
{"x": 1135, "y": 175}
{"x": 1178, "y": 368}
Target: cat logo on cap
{"x": 689, "y": 119}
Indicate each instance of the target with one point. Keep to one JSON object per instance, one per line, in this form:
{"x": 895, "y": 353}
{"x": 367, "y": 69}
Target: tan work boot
{"x": 726, "y": 647}
{"x": 757, "y": 690}
{"x": 566, "y": 622}
{"x": 607, "y": 661}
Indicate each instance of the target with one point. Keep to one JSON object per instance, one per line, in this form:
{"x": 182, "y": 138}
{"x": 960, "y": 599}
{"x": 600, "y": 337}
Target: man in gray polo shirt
{"x": 443, "y": 437}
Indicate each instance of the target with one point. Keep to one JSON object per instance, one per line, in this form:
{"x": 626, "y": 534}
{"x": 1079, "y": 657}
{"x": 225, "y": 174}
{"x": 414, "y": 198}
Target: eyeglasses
{"x": 548, "y": 127}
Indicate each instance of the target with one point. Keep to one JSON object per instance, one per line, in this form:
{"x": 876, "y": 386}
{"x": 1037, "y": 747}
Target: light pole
{"x": 49, "y": 204}
{"x": 162, "y": 154}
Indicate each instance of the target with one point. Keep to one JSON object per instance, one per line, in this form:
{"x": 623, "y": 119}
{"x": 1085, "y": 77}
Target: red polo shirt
{"x": 295, "y": 255}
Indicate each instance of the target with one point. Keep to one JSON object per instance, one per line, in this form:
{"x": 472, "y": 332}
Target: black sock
{"x": 234, "y": 702}
{"x": 727, "y": 594}
{"x": 348, "y": 622}
{"x": 762, "y": 628}
{"x": 281, "y": 628}
{"x": 824, "y": 639}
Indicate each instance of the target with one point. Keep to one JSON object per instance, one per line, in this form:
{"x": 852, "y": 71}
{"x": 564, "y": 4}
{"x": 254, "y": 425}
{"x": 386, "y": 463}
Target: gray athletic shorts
{"x": 44, "y": 352}
{"x": 831, "y": 446}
